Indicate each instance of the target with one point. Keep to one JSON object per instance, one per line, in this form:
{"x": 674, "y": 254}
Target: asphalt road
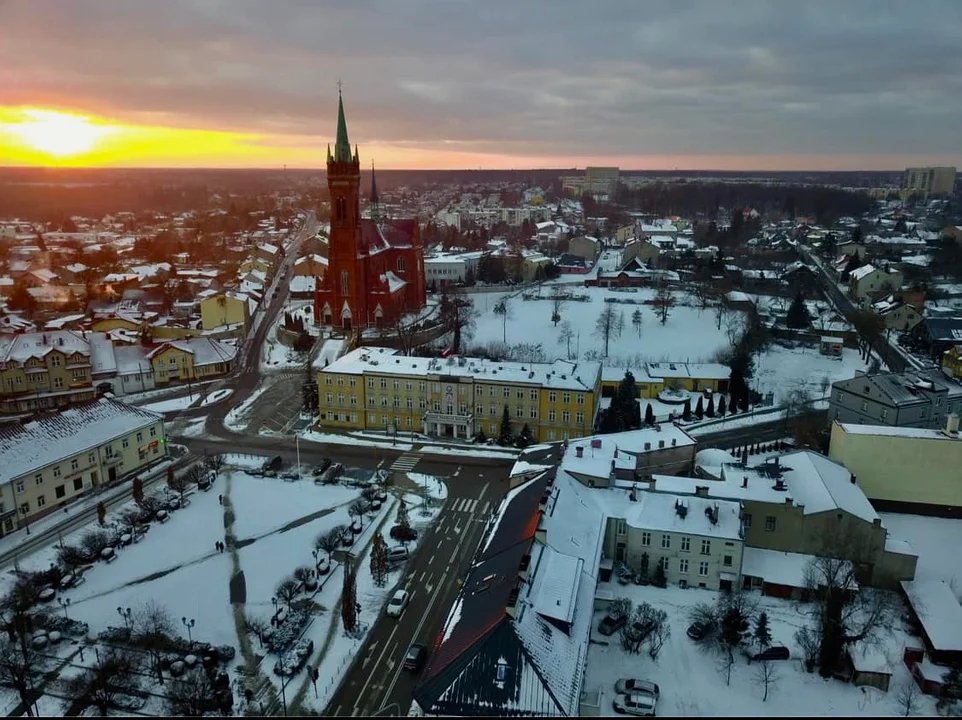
{"x": 378, "y": 681}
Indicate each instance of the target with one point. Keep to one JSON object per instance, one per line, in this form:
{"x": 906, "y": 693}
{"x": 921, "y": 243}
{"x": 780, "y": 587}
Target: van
{"x": 775, "y": 652}
{"x": 397, "y": 554}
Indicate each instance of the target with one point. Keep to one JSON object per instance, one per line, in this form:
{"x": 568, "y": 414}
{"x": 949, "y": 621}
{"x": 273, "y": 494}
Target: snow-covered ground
{"x": 336, "y": 439}
{"x": 779, "y": 370}
{"x": 173, "y": 404}
{"x": 436, "y": 487}
{"x": 691, "y": 682}
{"x": 274, "y": 355}
{"x": 216, "y": 397}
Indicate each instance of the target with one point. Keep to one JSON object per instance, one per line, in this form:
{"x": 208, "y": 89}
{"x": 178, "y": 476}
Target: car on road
{"x": 635, "y": 704}
{"x": 700, "y": 630}
{"x": 415, "y": 657}
{"x": 630, "y": 686}
{"x": 775, "y": 652}
{"x": 611, "y": 623}
{"x": 398, "y": 603}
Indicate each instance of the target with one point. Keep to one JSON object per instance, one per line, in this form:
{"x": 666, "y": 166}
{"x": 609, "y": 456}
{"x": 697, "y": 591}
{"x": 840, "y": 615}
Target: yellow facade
{"x": 381, "y": 401}
{"x": 649, "y": 387}
{"x": 952, "y": 361}
{"x": 219, "y": 310}
{"x": 172, "y": 332}
{"x": 56, "y": 378}
{"x": 256, "y": 263}
{"x": 116, "y": 323}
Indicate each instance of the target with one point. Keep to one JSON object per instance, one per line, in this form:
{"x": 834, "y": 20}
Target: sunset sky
{"x": 773, "y": 84}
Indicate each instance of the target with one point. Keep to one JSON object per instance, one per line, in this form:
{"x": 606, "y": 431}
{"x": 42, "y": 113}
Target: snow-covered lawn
{"x": 692, "y": 684}
{"x": 436, "y": 488}
{"x": 173, "y": 404}
{"x": 216, "y": 397}
{"x": 780, "y": 369}
{"x": 936, "y": 540}
{"x": 336, "y": 439}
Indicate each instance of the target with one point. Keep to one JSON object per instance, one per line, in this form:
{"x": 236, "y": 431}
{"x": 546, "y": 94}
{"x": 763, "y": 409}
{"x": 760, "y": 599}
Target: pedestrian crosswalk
{"x": 405, "y": 463}
{"x": 463, "y": 505}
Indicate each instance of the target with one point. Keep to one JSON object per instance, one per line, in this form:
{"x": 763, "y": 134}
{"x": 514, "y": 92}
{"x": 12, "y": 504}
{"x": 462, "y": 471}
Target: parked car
{"x": 398, "y": 603}
{"x": 397, "y": 554}
{"x": 274, "y": 463}
{"x": 630, "y": 686}
{"x": 699, "y": 630}
{"x": 290, "y": 475}
{"x": 775, "y": 652}
{"x": 611, "y": 623}
{"x": 635, "y": 704}
{"x": 323, "y": 465}
{"x": 415, "y": 657}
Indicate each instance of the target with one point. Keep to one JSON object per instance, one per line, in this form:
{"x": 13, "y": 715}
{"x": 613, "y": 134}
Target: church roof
{"x": 394, "y": 234}
{"x": 342, "y": 147}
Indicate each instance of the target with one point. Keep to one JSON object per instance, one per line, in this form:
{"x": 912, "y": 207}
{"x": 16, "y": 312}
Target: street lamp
{"x": 189, "y": 624}
{"x": 64, "y": 603}
{"x": 125, "y": 614}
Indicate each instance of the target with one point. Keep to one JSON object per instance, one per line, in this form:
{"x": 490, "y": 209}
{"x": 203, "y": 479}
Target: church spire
{"x": 375, "y": 208}
{"x": 342, "y": 148}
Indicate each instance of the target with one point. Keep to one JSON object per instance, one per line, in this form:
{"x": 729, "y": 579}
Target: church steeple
{"x": 342, "y": 147}
{"x": 375, "y": 209}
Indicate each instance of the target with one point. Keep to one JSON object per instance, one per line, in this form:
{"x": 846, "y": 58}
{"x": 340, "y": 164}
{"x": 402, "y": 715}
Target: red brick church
{"x": 375, "y": 269}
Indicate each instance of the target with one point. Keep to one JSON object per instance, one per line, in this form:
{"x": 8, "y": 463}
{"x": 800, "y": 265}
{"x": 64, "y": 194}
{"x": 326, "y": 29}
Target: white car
{"x": 635, "y": 704}
{"x": 398, "y": 603}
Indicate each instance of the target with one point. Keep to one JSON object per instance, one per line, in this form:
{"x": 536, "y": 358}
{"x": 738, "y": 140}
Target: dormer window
{"x": 501, "y": 670}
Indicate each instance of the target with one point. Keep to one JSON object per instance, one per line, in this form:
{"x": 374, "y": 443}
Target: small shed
{"x": 929, "y": 677}
{"x": 831, "y": 346}
{"x": 939, "y": 614}
{"x": 870, "y": 667}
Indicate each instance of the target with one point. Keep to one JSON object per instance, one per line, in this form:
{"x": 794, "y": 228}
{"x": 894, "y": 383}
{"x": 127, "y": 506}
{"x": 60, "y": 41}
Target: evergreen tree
{"x": 101, "y": 513}
{"x": 710, "y": 410}
{"x": 721, "y": 406}
{"x": 798, "y": 316}
{"x": 625, "y": 414}
{"x": 137, "y": 490}
{"x": 480, "y": 437}
{"x": 349, "y": 599}
{"x": 658, "y": 578}
{"x": 700, "y": 409}
{"x": 686, "y": 414}
{"x": 505, "y": 436}
{"x": 854, "y": 262}
{"x": 525, "y": 438}
{"x": 762, "y": 633}
{"x": 379, "y": 565}
{"x": 649, "y": 415}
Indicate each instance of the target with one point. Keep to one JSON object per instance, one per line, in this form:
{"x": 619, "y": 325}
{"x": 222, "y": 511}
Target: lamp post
{"x": 64, "y": 603}
{"x": 297, "y": 447}
{"x": 125, "y": 614}
{"x": 314, "y": 552}
{"x": 26, "y": 522}
{"x": 189, "y": 624}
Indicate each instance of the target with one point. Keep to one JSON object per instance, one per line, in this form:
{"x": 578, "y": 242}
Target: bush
{"x": 403, "y": 534}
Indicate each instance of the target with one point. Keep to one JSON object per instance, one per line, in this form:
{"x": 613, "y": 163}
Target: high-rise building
{"x": 929, "y": 180}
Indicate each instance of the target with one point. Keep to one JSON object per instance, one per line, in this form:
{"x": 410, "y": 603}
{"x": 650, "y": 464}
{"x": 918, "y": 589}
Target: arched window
{"x": 340, "y": 211}
{"x": 400, "y": 264}
{"x": 345, "y": 283}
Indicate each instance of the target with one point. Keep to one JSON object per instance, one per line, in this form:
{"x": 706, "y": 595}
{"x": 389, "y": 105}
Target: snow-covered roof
{"x": 205, "y": 351}
{"x": 102, "y": 358}
{"x": 561, "y": 374}
{"x": 20, "y": 348}
{"x": 59, "y": 322}
{"x": 711, "y": 460}
{"x": 393, "y": 281}
{"x": 939, "y": 612}
{"x": 48, "y": 439}
{"x": 557, "y": 582}
{"x": 313, "y": 258}
{"x": 660, "y": 511}
{"x": 888, "y": 431}
{"x": 303, "y": 283}
{"x": 861, "y": 272}
{"x": 714, "y": 371}
{"x": 776, "y": 567}
{"x": 268, "y": 248}
{"x": 44, "y": 274}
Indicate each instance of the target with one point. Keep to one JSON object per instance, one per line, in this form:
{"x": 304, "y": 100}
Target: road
{"x": 378, "y": 680}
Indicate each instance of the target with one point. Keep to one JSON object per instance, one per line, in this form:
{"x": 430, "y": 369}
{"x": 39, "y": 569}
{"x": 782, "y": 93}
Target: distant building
{"x": 916, "y": 399}
{"x": 929, "y": 180}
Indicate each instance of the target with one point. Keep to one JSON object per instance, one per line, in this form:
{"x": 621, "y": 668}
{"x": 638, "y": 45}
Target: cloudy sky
{"x": 773, "y": 84}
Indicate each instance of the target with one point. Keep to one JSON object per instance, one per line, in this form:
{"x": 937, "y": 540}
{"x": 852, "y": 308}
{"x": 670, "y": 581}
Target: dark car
{"x": 323, "y": 465}
{"x": 273, "y": 464}
{"x": 611, "y": 623}
{"x": 775, "y": 652}
{"x": 699, "y": 630}
{"x": 416, "y": 655}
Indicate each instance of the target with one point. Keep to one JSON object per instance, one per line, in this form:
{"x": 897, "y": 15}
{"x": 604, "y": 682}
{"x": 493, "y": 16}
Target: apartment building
{"x": 379, "y": 389}
{"x": 929, "y": 180}
{"x": 653, "y": 378}
{"x": 914, "y": 470}
{"x": 52, "y": 460}
{"x": 920, "y": 398}
{"x": 46, "y": 370}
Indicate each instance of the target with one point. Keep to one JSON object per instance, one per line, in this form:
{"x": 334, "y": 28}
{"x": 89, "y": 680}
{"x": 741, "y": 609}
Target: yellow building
{"x": 226, "y": 308}
{"x": 903, "y": 469}
{"x": 117, "y": 322}
{"x": 653, "y": 378}
{"x": 54, "y": 459}
{"x": 189, "y": 360}
{"x": 44, "y": 370}
{"x": 929, "y": 180}
{"x": 253, "y": 264}
{"x": 952, "y": 361}
{"x": 378, "y": 389}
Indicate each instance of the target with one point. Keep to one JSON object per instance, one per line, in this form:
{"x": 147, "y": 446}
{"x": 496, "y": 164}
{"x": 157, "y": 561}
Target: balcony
{"x": 448, "y": 418}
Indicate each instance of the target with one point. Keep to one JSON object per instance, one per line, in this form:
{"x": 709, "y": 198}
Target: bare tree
{"x": 94, "y": 542}
{"x": 721, "y": 312}
{"x": 609, "y": 325}
{"x": 302, "y": 574}
{"x": 404, "y": 330}
{"x": 152, "y": 629}
{"x": 192, "y": 695}
{"x": 256, "y": 625}
{"x": 558, "y": 303}
{"x": 111, "y": 683}
{"x": 637, "y": 320}
{"x": 215, "y": 463}
{"x": 503, "y": 309}
{"x": 766, "y": 675}
{"x": 459, "y": 315}
{"x": 703, "y": 295}
{"x": 663, "y": 302}
{"x": 21, "y": 667}
{"x": 357, "y": 509}
{"x": 180, "y": 483}
{"x": 330, "y": 541}
{"x": 565, "y": 336}
{"x": 287, "y": 590}
{"x": 809, "y": 640}
{"x": 907, "y": 698}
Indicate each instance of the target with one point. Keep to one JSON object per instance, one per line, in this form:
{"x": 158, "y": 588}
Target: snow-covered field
{"x": 780, "y": 369}
{"x": 692, "y": 684}
{"x": 216, "y": 397}
{"x": 173, "y": 404}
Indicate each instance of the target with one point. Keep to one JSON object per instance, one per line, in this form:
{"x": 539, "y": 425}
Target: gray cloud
{"x": 565, "y": 78}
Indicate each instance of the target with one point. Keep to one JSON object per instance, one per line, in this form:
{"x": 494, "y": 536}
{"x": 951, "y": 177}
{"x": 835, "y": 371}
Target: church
{"x": 375, "y": 271}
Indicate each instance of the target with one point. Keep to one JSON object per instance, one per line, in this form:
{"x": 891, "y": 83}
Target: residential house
{"x": 312, "y": 265}
{"x": 586, "y": 247}
{"x": 442, "y": 270}
{"x": 952, "y": 361}
{"x": 868, "y": 279}
{"x": 191, "y": 360}
{"x": 51, "y": 460}
{"x": 920, "y": 398}
{"x": 226, "y": 309}
{"x": 936, "y": 612}
{"x": 896, "y": 314}
{"x": 271, "y": 254}
{"x": 646, "y": 252}
{"x": 938, "y": 334}
{"x": 910, "y": 470}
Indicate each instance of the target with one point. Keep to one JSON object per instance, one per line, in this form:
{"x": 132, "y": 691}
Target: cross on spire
{"x": 339, "y": 84}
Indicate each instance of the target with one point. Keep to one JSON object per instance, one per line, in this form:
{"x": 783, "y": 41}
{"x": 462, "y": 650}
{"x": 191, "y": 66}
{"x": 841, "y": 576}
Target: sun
{"x": 58, "y": 134}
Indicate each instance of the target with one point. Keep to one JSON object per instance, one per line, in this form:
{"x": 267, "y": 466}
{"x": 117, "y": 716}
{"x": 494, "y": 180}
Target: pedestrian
{"x": 216, "y": 546}
{"x": 220, "y": 499}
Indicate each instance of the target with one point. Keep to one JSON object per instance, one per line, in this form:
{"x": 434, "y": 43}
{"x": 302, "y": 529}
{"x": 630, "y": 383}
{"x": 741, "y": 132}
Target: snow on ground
{"x": 274, "y": 355}
{"x": 331, "y": 350}
{"x": 173, "y": 404}
{"x": 468, "y": 450}
{"x": 244, "y": 461}
{"x": 216, "y": 397}
{"x": 194, "y": 428}
{"x": 692, "y": 684}
{"x": 336, "y": 439}
{"x": 780, "y": 369}
{"x": 936, "y": 540}
{"x": 236, "y": 419}
{"x": 689, "y": 335}
{"x": 436, "y": 488}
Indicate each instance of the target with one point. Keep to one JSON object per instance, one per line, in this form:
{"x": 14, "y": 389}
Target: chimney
{"x": 616, "y": 452}
{"x": 788, "y": 501}
{"x": 745, "y": 481}
{"x": 853, "y": 479}
{"x": 651, "y": 485}
{"x": 647, "y": 446}
{"x": 701, "y": 491}
{"x": 661, "y": 444}
{"x": 674, "y": 441}
{"x": 579, "y": 451}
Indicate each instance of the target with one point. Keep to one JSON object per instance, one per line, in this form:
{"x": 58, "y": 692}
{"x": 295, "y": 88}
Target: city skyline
{"x": 441, "y": 84}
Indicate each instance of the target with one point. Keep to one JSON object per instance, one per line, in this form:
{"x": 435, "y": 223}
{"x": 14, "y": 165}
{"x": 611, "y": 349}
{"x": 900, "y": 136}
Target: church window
{"x": 345, "y": 283}
{"x": 341, "y": 209}
{"x": 400, "y": 264}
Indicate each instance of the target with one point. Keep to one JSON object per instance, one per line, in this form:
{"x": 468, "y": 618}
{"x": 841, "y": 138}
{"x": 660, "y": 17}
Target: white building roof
{"x": 661, "y": 512}
{"x": 47, "y": 439}
{"x": 861, "y": 272}
{"x": 905, "y": 432}
{"x": 557, "y": 583}
{"x": 20, "y": 348}
{"x": 303, "y": 283}
{"x": 206, "y": 351}
{"x": 939, "y": 612}
{"x": 773, "y": 566}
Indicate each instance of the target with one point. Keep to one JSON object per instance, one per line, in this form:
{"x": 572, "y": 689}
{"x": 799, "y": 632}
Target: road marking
{"x": 429, "y": 587}
{"x": 483, "y": 491}
{"x": 356, "y": 712}
{"x": 379, "y": 659}
{"x": 487, "y": 504}
{"x": 413, "y": 593}
{"x": 431, "y": 561}
{"x": 453, "y": 555}
{"x": 470, "y": 506}
{"x": 423, "y": 573}
{"x": 405, "y": 463}
{"x": 457, "y": 472}
{"x": 337, "y": 711}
